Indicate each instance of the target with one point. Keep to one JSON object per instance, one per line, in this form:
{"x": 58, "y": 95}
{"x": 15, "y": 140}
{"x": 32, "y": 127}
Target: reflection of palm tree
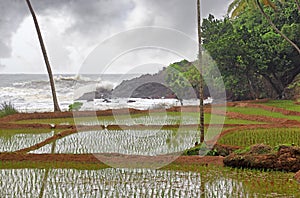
{"x": 48, "y": 169}
{"x": 43, "y": 48}
{"x": 201, "y": 95}
{"x": 239, "y": 6}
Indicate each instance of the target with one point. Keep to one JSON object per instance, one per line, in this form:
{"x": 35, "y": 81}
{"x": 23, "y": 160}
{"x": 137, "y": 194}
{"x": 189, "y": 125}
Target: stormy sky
{"x": 74, "y": 29}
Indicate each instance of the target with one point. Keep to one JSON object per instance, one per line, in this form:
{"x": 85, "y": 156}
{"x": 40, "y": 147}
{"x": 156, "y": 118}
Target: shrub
{"x": 75, "y": 106}
{"x": 201, "y": 150}
{"x": 7, "y": 109}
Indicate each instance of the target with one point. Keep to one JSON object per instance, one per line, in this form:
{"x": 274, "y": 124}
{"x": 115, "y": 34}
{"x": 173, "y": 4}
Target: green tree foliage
{"x": 239, "y": 6}
{"x": 254, "y": 60}
{"x": 183, "y": 75}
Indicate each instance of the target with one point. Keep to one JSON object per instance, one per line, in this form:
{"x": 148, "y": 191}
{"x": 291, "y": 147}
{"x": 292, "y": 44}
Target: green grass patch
{"x": 52, "y": 165}
{"x": 261, "y": 112}
{"x": 169, "y": 118}
{"x": 285, "y": 104}
{"x": 272, "y": 137}
{"x": 12, "y": 132}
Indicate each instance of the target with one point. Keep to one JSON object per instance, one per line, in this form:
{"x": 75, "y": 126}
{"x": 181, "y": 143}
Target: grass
{"x": 261, "y": 112}
{"x": 50, "y": 165}
{"x": 272, "y": 137}
{"x": 155, "y": 119}
{"x": 7, "y": 109}
{"x": 8, "y": 133}
{"x": 285, "y": 104}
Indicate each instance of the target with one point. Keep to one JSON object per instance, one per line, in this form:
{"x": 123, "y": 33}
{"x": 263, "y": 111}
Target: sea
{"x": 32, "y": 92}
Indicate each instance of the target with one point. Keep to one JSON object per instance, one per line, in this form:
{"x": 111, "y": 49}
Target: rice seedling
{"x": 169, "y": 118}
{"x": 202, "y": 181}
{"x": 285, "y": 104}
{"x": 272, "y": 137}
{"x": 12, "y": 140}
{"x": 257, "y": 111}
{"x": 140, "y": 142}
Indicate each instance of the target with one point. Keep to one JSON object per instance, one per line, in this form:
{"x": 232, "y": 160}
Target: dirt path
{"x": 20, "y": 155}
{"x": 92, "y": 159}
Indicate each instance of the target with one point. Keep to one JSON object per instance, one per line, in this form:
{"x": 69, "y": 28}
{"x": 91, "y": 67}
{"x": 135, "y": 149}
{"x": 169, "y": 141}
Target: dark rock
{"x": 106, "y": 100}
{"x": 148, "y": 86}
{"x": 224, "y": 150}
{"x": 100, "y": 93}
{"x": 131, "y": 101}
{"x": 287, "y": 158}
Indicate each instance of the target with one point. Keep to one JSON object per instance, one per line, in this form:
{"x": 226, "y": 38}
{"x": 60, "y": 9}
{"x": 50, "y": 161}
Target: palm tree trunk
{"x": 56, "y": 106}
{"x": 201, "y": 95}
{"x": 275, "y": 28}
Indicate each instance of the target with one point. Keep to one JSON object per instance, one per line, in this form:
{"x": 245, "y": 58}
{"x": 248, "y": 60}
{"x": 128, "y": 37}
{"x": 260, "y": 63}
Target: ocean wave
{"x": 73, "y": 78}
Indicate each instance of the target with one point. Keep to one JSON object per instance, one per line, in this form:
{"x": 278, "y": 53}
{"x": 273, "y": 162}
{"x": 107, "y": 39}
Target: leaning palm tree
{"x": 55, "y": 102}
{"x": 238, "y": 6}
{"x": 201, "y": 94}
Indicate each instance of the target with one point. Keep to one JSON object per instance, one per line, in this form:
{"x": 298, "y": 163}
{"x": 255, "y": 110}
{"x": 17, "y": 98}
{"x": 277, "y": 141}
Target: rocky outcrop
{"x": 100, "y": 93}
{"x": 145, "y": 86}
{"x": 287, "y": 158}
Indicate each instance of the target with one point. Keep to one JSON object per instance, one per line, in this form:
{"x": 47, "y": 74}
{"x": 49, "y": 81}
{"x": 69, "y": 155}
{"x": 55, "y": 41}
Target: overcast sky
{"x": 72, "y": 29}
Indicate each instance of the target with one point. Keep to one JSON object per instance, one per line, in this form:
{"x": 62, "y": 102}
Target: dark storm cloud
{"x": 89, "y": 16}
{"x": 92, "y": 19}
{"x": 180, "y": 14}
{"x": 12, "y": 15}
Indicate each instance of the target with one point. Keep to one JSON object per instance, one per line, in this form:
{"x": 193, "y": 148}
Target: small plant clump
{"x": 7, "y": 108}
{"x": 75, "y": 106}
{"x": 200, "y": 149}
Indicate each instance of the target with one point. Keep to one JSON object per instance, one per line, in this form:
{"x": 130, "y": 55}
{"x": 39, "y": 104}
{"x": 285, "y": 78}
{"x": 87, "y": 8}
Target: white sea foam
{"x": 35, "y": 95}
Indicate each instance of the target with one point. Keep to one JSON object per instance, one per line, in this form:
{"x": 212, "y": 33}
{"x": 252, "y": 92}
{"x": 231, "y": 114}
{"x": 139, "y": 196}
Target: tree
{"x": 201, "y": 90}
{"x": 238, "y": 6}
{"x": 43, "y": 48}
{"x": 298, "y": 4}
{"x": 254, "y": 61}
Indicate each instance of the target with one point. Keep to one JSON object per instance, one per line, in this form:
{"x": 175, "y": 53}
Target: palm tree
{"x": 238, "y": 6}
{"x": 201, "y": 95}
{"x": 55, "y": 102}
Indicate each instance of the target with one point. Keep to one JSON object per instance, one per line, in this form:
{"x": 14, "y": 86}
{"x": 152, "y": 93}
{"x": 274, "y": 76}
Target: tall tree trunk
{"x": 275, "y": 85}
{"x": 275, "y": 28}
{"x": 55, "y": 102}
{"x": 201, "y": 94}
{"x": 298, "y": 4}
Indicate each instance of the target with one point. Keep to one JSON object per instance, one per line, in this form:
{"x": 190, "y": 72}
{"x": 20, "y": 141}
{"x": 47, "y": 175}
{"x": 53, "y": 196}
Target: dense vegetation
{"x": 255, "y": 62}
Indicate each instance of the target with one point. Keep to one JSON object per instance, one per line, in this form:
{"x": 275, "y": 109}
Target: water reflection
{"x": 114, "y": 183}
{"x": 133, "y": 142}
{"x": 19, "y": 141}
